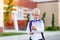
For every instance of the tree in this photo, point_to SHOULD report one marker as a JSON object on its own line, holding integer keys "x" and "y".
{"x": 43, "y": 17}
{"x": 53, "y": 20}
{"x": 8, "y": 11}
{"x": 28, "y": 17}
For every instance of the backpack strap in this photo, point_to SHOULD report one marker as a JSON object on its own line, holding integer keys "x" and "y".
{"x": 42, "y": 36}
{"x": 30, "y": 24}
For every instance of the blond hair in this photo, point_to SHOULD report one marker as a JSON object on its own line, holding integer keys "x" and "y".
{"x": 36, "y": 11}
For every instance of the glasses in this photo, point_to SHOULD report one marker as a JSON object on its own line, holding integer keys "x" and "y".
{"x": 35, "y": 14}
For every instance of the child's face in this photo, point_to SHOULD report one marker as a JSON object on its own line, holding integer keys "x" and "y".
{"x": 35, "y": 16}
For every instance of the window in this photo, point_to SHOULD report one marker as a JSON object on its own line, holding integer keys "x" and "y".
{"x": 20, "y": 13}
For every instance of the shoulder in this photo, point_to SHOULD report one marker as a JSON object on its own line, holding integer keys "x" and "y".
{"x": 41, "y": 21}
{"x": 31, "y": 20}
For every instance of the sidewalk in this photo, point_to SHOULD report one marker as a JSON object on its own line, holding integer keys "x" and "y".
{"x": 55, "y": 35}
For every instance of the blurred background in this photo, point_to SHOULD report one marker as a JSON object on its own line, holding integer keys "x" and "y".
{"x": 23, "y": 8}
{"x": 15, "y": 15}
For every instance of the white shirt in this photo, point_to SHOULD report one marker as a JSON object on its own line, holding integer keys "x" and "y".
{"x": 37, "y": 33}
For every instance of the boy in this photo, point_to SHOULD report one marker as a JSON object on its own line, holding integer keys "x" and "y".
{"x": 35, "y": 27}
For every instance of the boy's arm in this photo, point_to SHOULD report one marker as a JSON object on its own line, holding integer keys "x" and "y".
{"x": 33, "y": 28}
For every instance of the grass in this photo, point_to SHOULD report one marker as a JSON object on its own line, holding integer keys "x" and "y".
{"x": 11, "y": 34}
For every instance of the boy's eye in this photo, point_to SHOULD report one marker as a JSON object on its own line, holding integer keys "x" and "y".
{"x": 34, "y": 14}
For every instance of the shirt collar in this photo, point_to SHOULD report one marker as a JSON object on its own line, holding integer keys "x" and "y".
{"x": 36, "y": 20}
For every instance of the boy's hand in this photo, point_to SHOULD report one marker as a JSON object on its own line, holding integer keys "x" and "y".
{"x": 31, "y": 33}
{"x": 33, "y": 28}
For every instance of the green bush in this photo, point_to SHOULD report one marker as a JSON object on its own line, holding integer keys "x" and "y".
{"x": 50, "y": 28}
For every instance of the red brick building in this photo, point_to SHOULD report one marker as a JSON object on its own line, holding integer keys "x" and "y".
{"x": 26, "y": 5}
